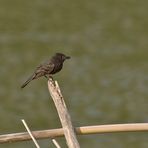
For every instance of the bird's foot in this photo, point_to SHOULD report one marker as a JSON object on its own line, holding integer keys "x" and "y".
{"x": 49, "y": 77}
{"x": 46, "y": 77}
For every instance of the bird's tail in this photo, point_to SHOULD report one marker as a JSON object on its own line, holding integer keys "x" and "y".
{"x": 28, "y": 80}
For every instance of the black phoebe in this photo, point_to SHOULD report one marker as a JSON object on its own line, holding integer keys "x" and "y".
{"x": 53, "y": 66}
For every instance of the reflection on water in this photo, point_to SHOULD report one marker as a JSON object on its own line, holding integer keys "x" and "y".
{"x": 104, "y": 82}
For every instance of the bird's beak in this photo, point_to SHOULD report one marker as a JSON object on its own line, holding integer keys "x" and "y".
{"x": 68, "y": 57}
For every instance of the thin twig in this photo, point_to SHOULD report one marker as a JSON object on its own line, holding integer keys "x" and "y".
{"x": 28, "y": 130}
{"x": 56, "y": 143}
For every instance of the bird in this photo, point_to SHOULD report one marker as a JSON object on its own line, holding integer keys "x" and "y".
{"x": 52, "y": 66}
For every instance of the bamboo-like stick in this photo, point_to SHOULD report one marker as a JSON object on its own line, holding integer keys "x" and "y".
{"x": 64, "y": 116}
{"x": 97, "y": 129}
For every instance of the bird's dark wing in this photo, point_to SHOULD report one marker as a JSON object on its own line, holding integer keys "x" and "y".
{"x": 41, "y": 70}
{"x": 44, "y": 69}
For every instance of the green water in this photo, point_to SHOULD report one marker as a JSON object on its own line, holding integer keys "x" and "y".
{"x": 106, "y": 80}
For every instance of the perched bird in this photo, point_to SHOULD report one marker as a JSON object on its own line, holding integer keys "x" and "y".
{"x": 49, "y": 68}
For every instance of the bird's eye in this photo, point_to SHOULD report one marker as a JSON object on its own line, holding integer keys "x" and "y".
{"x": 63, "y": 57}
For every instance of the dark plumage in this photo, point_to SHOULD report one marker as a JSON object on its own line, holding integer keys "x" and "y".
{"x": 53, "y": 66}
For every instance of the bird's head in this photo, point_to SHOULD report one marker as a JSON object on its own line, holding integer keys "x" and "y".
{"x": 62, "y": 56}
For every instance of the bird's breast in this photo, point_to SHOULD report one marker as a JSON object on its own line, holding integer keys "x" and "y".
{"x": 57, "y": 68}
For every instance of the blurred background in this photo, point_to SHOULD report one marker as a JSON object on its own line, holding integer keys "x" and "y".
{"x": 105, "y": 82}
